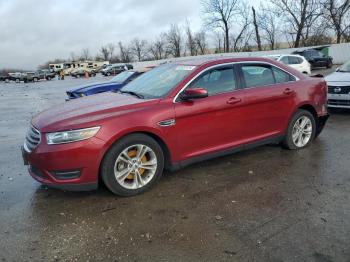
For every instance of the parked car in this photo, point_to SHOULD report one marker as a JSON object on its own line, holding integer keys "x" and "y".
{"x": 113, "y": 70}
{"x": 17, "y": 77}
{"x": 296, "y": 61}
{"x": 339, "y": 87}
{"x": 172, "y": 116}
{"x": 30, "y": 77}
{"x": 5, "y": 77}
{"x": 81, "y": 72}
{"x": 46, "y": 74}
{"x": 114, "y": 84}
{"x": 316, "y": 58}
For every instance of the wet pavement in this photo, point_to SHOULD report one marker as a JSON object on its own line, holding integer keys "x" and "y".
{"x": 265, "y": 204}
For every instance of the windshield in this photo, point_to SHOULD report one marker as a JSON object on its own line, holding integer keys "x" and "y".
{"x": 345, "y": 67}
{"x": 159, "y": 81}
{"x": 122, "y": 77}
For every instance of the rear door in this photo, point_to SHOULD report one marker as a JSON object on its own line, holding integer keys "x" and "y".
{"x": 214, "y": 123}
{"x": 268, "y": 102}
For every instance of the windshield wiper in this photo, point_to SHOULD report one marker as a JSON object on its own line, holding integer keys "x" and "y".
{"x": 131, "y": 93}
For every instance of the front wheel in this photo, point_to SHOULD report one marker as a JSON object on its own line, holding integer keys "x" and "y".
{"x": 301, "y": 130}
{"x": 132, "y": 165}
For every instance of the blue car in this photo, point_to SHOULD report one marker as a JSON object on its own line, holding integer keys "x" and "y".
{"x": 114, "y": 84}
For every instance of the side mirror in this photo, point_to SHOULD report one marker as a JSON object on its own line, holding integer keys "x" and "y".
{"x": 194, "y": 93}
{"x": 337, "y": 69}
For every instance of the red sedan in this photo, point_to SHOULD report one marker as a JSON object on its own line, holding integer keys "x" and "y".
{"x": 172, "y": 116}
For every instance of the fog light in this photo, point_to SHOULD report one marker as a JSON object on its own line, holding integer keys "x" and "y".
{"x": 66, "y": 175}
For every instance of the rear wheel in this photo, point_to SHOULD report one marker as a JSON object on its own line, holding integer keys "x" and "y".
{"x": 301, "y": 130}
{"x": 132, "y": 165}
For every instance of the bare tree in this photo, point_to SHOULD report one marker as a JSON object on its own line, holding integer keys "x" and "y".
{"x": 73, "y": 56}
{"x": 85, "y": 54}
{"x": 257, "y": 35}
{"x": 157, "y": 49}
{"x": 139, "y": 48}
{"x": 111, "y": 48}
{"x": 221, "y": 14}
{"x": 337, "y": 12}
{"x": 297, "y": 15}
{"x": 201, "y": 42}
{"x": 241, "y": 38}
{"x": 219, "y": 42}
{"x": 124, "y": 53}
{"x": 104, "y": 53}
{"x": 174, "y": 39}
{"x": 269, "y": 24}
{"x": 191, "y": 41}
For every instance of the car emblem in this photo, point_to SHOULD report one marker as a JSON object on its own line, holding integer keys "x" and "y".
{"x": 337, "y": 90}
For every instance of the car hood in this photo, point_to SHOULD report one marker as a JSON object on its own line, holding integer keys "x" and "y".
{"x": 82, "y": 89}
{"x": 88, "y": 111}
{"x": 338, "y": 78}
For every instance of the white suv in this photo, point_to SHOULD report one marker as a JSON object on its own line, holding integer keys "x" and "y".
{"x": 296, "y": 61}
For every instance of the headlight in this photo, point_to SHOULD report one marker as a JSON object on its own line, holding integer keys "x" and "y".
{"x": 71, "y": 136}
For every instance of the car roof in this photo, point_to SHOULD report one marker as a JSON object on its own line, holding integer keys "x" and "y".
{"x": 284, "y": 55}
{"x": 221, "y": 60}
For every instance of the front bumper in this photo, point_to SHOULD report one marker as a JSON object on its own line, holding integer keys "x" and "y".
{"x": 73, "y": 166}
{"x": 338, "y": 100}
{"x": 322, "y": 120}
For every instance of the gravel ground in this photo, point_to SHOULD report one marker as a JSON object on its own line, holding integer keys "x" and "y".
{"x": 265, "y": 204}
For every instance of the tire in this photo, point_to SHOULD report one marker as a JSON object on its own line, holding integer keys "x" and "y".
{"x": 132, "y": 176}
{"x": 35, "y": 79}
{"x": 329, "y": 65}
{"x": 108, "y": 74}
{"x": 48, "y": 78}
{"x": 17, "y": 80}
{"x": 294, "y": 142}
{"x": 7, "y": 80}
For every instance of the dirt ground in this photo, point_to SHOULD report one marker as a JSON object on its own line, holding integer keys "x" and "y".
{"x": 265, "y": 204}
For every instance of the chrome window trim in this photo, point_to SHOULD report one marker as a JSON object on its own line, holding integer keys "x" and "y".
{"x": 234, "y": 63}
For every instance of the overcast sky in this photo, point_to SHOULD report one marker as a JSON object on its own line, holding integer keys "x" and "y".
{"x": 34, "y": 31}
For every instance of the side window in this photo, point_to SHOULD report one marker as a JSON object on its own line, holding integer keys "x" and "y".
{"x": 257, "y": 75}
{"x": 216, "y": 81}
{"x": 294, "y": 60}
{"x": 285, "y": 60}
{"x": 281, "y": 76}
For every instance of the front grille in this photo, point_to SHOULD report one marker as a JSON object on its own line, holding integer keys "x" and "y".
{"x": 32, "y": 139}
{"x": 339, "y": 89}
{"x": 337, "y": 102}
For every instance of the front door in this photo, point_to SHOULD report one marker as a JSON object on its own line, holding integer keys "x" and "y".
{"x": 210, "y": 124}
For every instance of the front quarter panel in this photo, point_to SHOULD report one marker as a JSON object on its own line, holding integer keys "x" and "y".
{"x": 142, "y": 120}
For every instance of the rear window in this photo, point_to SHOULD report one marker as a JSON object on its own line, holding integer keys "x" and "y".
{"x": 263, "y": 75}
{"x": 293, "y": 60}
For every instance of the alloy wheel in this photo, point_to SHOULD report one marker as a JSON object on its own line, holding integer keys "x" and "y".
{"x": 302, "y": 131}
{"x": 135, "y": 166}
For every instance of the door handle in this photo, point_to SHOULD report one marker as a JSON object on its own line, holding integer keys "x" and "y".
{"x": 233, "y": 100}
{"x": 288, "y": 91}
